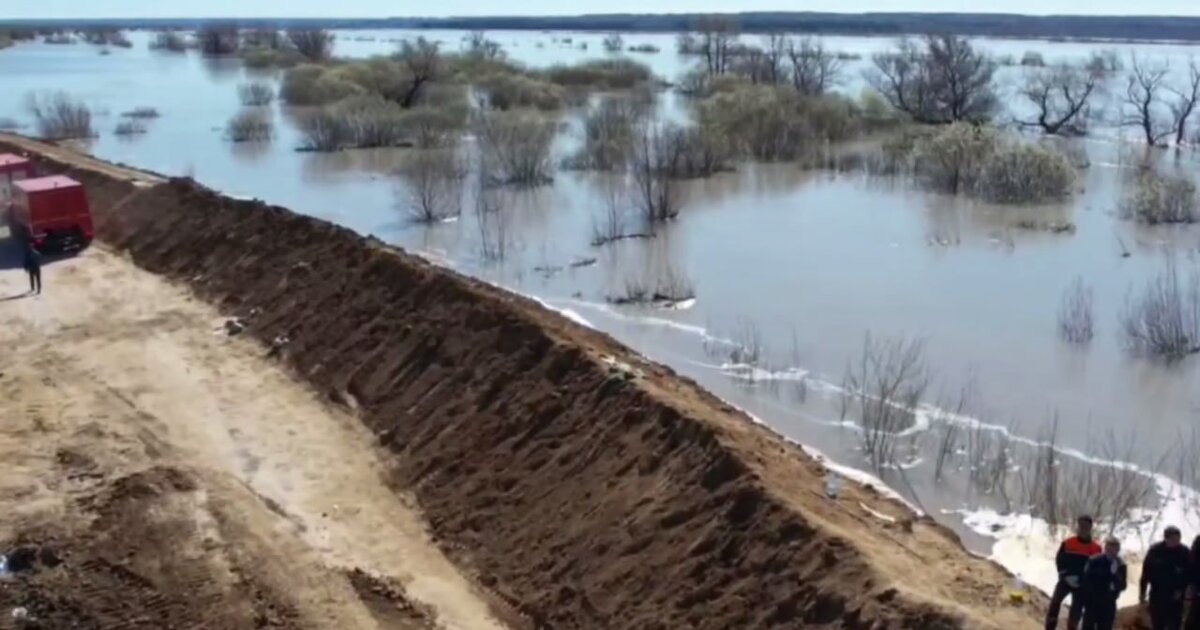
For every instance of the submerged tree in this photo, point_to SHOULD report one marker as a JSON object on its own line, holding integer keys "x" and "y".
{"x": 1184, "y": 104}
{"x": 1061, "y": 96}
{"x": 614, "y": 43}
{"x": 423, "y": 62}
{"x": 1164, "y": 320}
{"x": 657, "y": 194}
{"x": 1143, "y": 100}
{"x": 218, "y": 39}
{"x": 814, "y": 70}
{"x": 942, "y": 80}
{"x": 478, "y": 46}
{"x": 315, "y": 44}
{"x": 432, "y": 190}
{"x": 716, "y": 41}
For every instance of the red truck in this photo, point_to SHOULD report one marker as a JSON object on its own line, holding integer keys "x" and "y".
{"x": 51, "y": 212}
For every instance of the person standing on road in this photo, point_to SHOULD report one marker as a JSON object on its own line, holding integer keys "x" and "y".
{"x": 1167, "y": 571}
{"x": 1072, "y": 555}
{"x": 1104, "y": 579}
{"x": 33, "y": 267}
{"x": 1193, "y": 618}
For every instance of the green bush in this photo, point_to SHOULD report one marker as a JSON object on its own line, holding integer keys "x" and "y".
{"x": 386, "y": 77}
{"x": 324, "y": 131}
{"x": 504, "y": 91}
{"x": 433, "y": 127}
{"x": 372, "y": 121}
{"x": 260, "y": 58}
{"x": 369, "y": 121}
{"x": 515, "y": 147}
{"x": 981, "y": 162}
{"x": 1020, "y": 172}
{"x": 604, "y": 74}
{"x": 467, "y": 68}
{"x": 315, "y": 85}
{"x": 608, "y": 134}
{"x": 951, "y": 160}
{"x": 777, "y": 124}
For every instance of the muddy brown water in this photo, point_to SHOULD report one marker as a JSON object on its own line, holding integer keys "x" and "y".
{"x": 804, "y": 264}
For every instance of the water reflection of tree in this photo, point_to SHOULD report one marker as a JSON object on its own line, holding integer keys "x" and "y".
{"x": 222, "y": 69}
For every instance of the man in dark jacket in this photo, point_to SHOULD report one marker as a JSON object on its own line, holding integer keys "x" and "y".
{"x": 33, "y": 267}
{"x": 1103, "y": 581}
{"x": 1073, "y": 554}
{"x": 1166, "y": 571}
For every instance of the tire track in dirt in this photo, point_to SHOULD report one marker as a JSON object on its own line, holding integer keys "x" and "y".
{"x": 107, "y": 385}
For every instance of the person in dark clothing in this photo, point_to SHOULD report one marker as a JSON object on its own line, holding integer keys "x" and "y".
{"x": 1167, "y": 572}
{"x": 33, "y": 267}
{"x": 1072, "y": 555}
{"x": 1193, "y": 618}
{"x": 1104, "y": 578}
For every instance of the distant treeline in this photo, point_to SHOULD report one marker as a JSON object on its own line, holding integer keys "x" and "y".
{"x": 978, "y": 24}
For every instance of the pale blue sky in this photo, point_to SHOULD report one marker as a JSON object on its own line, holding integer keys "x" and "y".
{"x": 385, "y": 8}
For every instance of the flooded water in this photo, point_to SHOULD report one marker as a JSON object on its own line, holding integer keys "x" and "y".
{"x": 801, "y": 264}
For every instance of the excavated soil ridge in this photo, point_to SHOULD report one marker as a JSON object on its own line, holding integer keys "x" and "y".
{"x": 581, "y": 485}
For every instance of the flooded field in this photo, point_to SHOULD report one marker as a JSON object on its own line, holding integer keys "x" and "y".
{"x": 791, "y": 269}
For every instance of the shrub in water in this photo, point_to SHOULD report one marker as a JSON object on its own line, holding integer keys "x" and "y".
{"x": 249, "y": 125}
{"x": 130, "y": 128}
{"x": 256, "y": 94}
{"x": 951, "y": 161}
{"x": 608, "y": 133}
{"x": 1157, "y": 198}
{"x": 141, "y": 112}
{"x": 775, "y": 124}
{"x": 977, "y": 160}
{"x": 1018, "y": 172}
{"x": 314, "y": 85}
{"x": 60, "y": 117}
{"x": 506, "y": 91}
{"x": 606, "y": 74}
{"x": 516, "y": 147}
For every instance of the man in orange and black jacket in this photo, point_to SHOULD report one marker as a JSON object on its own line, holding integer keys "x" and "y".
{"x": 1073, "y": 555}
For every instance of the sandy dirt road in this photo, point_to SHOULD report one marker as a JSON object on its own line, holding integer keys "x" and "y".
{"x": 159, "y": 472}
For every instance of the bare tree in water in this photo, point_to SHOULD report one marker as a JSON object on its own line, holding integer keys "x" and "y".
{"x": 1142, "y": 100}
{"x": 1061, "y": 95}
{"x": 1184, "y": 103}
{"x": 942, "y": 80}
{"x": 814, "y": 69}
{"x": 315, "y": 44}
{"x": 716, "y": 40}
{"x": 885, "y": 386}
{"x": 1075, "y": 323}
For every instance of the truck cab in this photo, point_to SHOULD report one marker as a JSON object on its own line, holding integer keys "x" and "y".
{"x": 52, "y": 213}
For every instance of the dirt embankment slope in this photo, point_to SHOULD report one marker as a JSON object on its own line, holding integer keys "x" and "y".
{"x": 586, "y": 495}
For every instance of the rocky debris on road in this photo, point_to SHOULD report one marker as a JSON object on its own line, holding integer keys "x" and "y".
{"x": 234, "y": 326}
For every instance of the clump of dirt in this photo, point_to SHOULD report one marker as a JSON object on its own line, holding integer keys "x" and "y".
{"x": 388, "y": 603}
{"x": 581, "y": 500}
{"x": 144, "y": 559}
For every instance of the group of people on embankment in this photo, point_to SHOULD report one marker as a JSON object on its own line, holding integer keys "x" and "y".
{"x": 1094, "y": 577}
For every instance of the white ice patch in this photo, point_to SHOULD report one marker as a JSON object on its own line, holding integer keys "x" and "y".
{"x": 565, "y": 312}
{"x": 439, "y": 257}
{"x": 647, "y": 320}
{"x": 1026, "y": 545}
